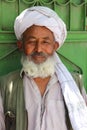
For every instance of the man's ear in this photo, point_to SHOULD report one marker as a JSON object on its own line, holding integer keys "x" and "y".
{"x": 19, "y": 45}
{"x": 56, "y": 46}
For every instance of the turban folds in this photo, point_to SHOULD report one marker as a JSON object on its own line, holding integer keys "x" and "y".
{"x": 41, "y": 16}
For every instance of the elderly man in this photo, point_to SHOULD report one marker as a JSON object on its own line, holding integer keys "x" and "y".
{"x": 44, "y": 93}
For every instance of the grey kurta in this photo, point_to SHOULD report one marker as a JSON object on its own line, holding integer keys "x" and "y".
{"x": 47, "y": 112}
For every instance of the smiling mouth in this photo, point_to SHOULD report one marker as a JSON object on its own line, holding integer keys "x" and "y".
{"x": 39, "y": 54}
{"x": 38, "y": 59}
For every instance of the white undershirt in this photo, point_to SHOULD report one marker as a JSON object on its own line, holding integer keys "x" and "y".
{"x": 47, "y": 112}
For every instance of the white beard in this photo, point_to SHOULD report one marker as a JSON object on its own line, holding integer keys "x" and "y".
{"x": 42, "y": 70}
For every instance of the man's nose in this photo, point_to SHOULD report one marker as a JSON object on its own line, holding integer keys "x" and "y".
{"x": 38, "y": 47}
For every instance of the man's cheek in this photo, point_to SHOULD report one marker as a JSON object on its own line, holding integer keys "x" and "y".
{"x": 50, "y": 52}
{"x": 27, "y": 51}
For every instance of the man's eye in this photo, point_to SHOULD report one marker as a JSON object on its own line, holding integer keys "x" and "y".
{"x": 45, "y": 42}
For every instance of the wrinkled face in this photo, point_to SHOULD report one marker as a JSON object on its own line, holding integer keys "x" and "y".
{"x": 38, "y": 43}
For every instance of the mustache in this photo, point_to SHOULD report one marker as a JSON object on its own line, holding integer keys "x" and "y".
{"x": 39, "y": 54}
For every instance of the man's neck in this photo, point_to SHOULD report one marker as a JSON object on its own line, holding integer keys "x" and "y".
{"x": 42, "y": 83}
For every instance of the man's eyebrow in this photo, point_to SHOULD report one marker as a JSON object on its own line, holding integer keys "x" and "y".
{"x": 31, "y": 37}
{"x": 28, "y": 38}
{"x": 46, "y": 38}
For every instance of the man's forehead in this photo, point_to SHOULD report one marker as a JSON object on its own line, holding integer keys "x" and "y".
{"x": 35, "y": 30}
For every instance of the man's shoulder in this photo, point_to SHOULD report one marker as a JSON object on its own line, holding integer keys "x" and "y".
{"x": 10, "y": 76}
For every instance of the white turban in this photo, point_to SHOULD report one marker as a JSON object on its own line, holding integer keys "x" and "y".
{"x": 41, "y": 16}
